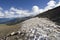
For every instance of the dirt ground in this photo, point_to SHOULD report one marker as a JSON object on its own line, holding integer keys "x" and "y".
{"x": 5, "y": 29}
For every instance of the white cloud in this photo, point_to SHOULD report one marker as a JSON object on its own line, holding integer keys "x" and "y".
{"x": 35, "y": 9}
{"x": 41, "y": 10}
{"x": 50, "y": 5}
{"x": 1, "y": 14}
{"x": 21, "y": 12}
{"x": 58, "y": 4}
{"x": 13, "y": 9}
{"x": 1, "y": 8}
{"x": 14, "y": 12}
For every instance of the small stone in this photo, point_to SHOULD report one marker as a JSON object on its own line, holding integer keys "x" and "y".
{"x": 12, "y": 33}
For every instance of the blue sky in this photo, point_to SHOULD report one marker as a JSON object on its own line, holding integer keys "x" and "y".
{"x": 23, "y": 4}
{"x": 21, "y": 8}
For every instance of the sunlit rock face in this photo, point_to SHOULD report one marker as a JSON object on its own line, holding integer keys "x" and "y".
{"x": 36, "y": 29}
{"x": 40, "y": 29}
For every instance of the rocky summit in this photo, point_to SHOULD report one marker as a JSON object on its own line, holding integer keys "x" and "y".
{"x": 36, "y": 29}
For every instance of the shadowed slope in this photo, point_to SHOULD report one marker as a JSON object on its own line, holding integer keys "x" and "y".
{"x": 53, "y": 14}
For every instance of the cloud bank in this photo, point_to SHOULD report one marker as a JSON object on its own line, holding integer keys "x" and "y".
{"x": 14, "y": 12}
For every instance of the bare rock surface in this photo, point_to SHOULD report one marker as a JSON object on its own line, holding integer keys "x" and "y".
{"x": 36, "y": 29}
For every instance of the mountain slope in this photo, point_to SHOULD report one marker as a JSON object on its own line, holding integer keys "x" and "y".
{"x": 53, "y": 15}
{"x": 36, "y": 28}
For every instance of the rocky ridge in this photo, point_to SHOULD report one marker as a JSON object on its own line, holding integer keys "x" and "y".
{"x": 36, "y": 29}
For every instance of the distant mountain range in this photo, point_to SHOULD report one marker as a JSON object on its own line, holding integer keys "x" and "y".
{"x": 11, "y": 21}
{"x": 17, "y": 20}
{"x": 3, "y": 20}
